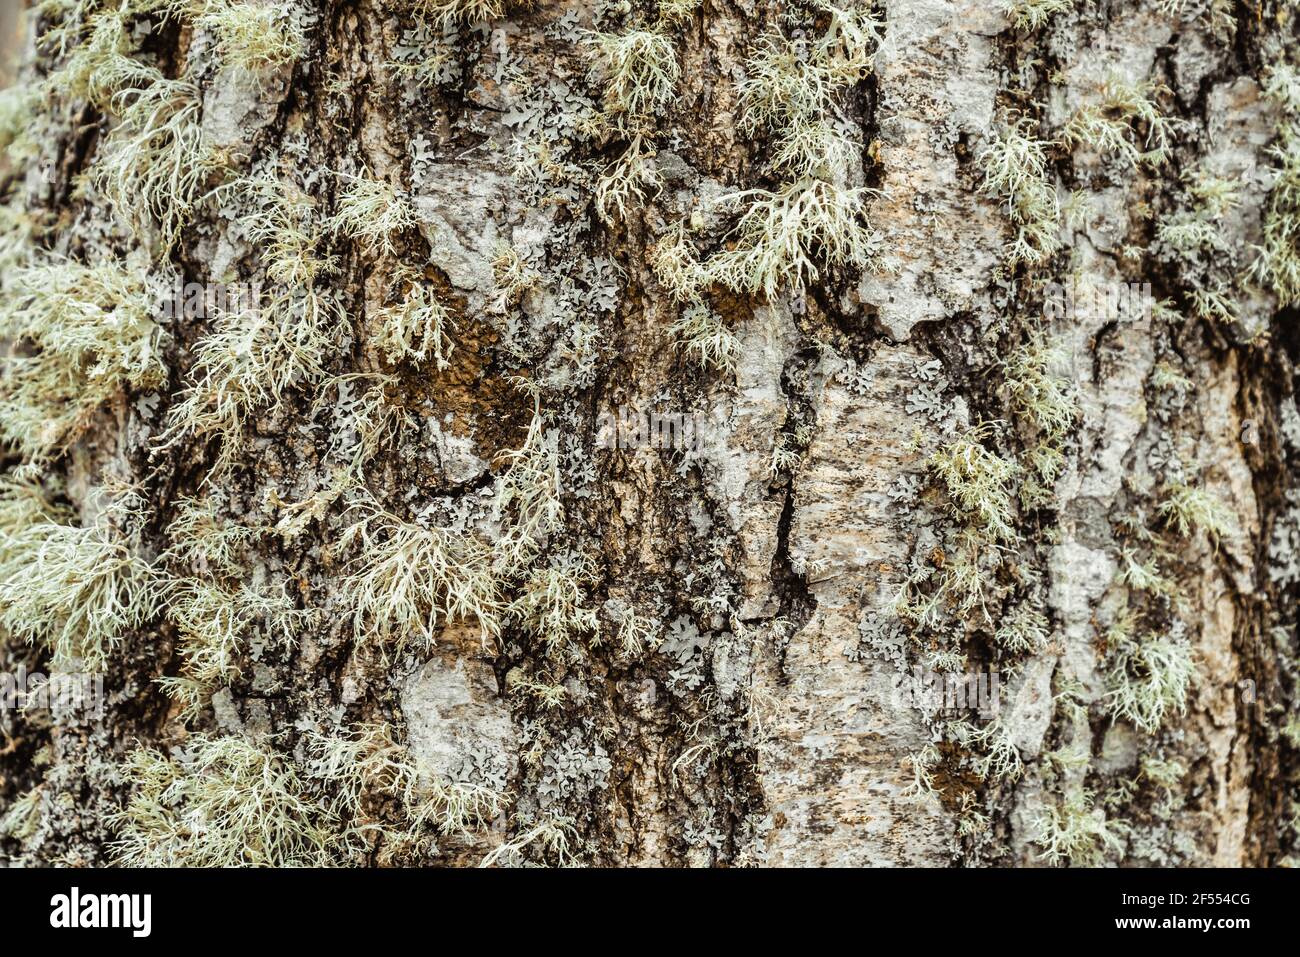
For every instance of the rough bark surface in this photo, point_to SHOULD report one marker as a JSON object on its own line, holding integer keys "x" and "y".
{"x": 759, "y": 719}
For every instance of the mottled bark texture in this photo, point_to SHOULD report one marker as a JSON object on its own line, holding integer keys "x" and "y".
{"x": 695, "y": 656}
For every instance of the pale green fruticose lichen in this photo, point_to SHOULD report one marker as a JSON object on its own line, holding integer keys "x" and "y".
{"x": 224, "y": 802}
{"x": 86, "y": 334}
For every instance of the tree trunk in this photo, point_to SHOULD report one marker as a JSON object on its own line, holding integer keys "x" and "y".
{"x": 932, "y": 555}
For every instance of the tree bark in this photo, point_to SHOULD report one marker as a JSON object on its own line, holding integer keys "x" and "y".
{"x": 769, "y": 717}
